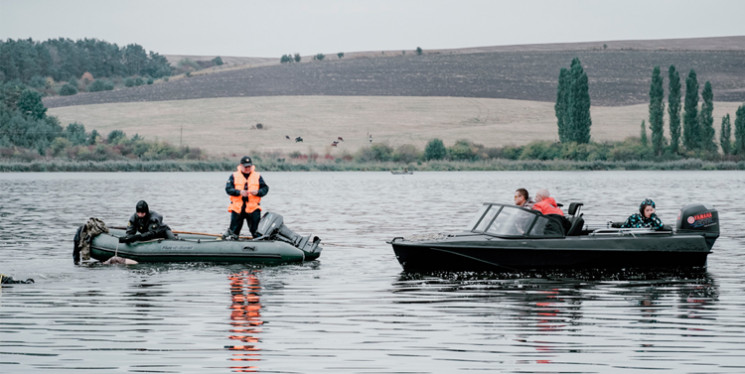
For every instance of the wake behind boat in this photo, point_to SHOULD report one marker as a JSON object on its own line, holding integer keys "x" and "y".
{"x": 509, "y": 238}
{"x": 277, "y": 245}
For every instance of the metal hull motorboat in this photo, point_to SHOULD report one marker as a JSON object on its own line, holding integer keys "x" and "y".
{"x": 509, "y": 238}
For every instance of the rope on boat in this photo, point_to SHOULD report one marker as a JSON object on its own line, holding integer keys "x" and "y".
{"x": 477, "y": 259}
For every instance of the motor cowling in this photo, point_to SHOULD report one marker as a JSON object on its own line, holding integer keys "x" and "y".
{"x": 696, "y": 218}
{"x": 272, "y": 226}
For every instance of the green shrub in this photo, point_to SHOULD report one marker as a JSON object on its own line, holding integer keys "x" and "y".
{"x": 134, "y": 81}
{"x": 509, "y": 152}
{"x": 75, "y": 133}
{"x": 67, "y": 90}
{"x": 58, "y": 146}
{"x": 37, "y": 81}
{"x": 462, "y": 150}
{"x": 406, "y": 153}
{"x": 376, "y": 152}
{"x": 541, "y": 151}
{"x": 435, "y": 150}
{"x": 101, "y": 85}
{"x": 116, "y": 136}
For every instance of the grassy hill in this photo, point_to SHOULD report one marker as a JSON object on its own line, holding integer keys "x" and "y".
{"x": 492, "y": 95}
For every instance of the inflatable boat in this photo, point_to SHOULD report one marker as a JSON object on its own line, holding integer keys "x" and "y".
{"x": 510, "y": 238}
{"x": 276, "y": 245}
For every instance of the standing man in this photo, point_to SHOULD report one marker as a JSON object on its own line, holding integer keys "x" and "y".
{"x": 245, "y": 187}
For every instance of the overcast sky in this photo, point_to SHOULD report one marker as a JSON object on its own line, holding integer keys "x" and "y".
{"x": 271, "y": 28}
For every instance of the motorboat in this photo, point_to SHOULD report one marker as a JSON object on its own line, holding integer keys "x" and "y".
{"x": 276, "y": 245}
{"x": 511, "y": 238}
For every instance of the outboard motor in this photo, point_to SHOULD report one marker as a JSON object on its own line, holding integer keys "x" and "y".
{"x": 272, "y": 226}
{"x": 698, "y": 219}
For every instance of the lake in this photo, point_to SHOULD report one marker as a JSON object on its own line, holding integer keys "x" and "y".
{"x": 355, "y": 310}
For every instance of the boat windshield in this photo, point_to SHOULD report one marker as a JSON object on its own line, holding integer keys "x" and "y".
{"x": 509, "y": 220}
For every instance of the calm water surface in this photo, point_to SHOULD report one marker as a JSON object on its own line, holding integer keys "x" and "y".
{"x": 354, "y": 310}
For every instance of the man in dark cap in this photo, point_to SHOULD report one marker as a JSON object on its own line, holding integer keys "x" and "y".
{"x": 245, "y": 187}
{"x": 146, "y": 224}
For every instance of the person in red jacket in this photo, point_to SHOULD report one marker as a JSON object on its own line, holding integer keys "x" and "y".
{"x": 546, "y": 204}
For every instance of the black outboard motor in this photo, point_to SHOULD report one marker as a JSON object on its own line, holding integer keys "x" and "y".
{"x": 271, "y": 226}
{"x": 698, "y": 219}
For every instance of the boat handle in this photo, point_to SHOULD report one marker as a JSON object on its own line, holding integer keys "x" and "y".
{"x": 249, "y": 248}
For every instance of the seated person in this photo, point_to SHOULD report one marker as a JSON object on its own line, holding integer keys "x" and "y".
{"x": 645, "y": 218}
{"x": 546, "y": 204}
{"x": 146, "y": 224}
{"x": 522, "y": 199}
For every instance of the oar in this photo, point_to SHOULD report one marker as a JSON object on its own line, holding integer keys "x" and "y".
{"x": 187, "y": 232}
{"x": 205, "y": 234}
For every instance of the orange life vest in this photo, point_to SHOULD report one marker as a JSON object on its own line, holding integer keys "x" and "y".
{"x": 548, "y": 206}
{"x": 241, "y": 183}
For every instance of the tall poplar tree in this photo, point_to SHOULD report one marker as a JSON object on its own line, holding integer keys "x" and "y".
{"x": 656, "y": 111}
{"x": 725, "y": 133}
{"x": 740, "y": 131}
{"x": 673, "y": 107}
{"x": 706, "y": 125}
{"x": 562, "y": 101}
{"x": 691, "y": 133}
{"x": 573, "y": 104}
{"x": 579, "y": 104}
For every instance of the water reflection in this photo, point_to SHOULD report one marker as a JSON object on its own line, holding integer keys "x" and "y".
{"x": 245, "y": 320}
{"x": 555, "y": 314}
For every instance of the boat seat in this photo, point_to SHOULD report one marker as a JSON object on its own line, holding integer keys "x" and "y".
{"x": 576, "y": 221}
{"x": 577, "y": 224}
{"x": 574, "y": 208}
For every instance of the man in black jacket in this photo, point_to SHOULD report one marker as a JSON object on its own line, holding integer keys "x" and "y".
{"x": 146, "y": 224}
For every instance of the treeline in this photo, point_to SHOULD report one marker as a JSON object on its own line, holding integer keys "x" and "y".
{"x": 27, "y": 134}
{"x": 42, "y": 64}
{"x": 695, "y": 136}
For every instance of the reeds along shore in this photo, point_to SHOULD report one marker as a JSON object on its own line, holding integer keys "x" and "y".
{"x": 270, "y": 165}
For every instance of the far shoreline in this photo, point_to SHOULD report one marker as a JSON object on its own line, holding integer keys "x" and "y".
{"x": 489, "y": 165}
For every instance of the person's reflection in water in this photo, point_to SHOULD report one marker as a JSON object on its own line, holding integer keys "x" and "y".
{"x": 245, "y": 320}
{"x": 551, "y": 310}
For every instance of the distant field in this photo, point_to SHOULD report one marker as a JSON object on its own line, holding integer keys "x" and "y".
{"x": 226, "y": 126}
{"x": 494, "y": 96}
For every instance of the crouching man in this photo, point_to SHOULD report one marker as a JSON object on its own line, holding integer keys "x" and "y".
{"x": 146, "y": 224}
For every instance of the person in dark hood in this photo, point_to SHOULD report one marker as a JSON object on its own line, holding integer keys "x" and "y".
{"x": 645, "y": 218}
{"x": 146, "y": 224}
